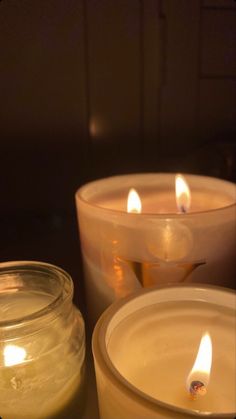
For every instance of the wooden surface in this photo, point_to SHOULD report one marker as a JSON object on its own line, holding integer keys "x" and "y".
{"x": 91, "y": 407}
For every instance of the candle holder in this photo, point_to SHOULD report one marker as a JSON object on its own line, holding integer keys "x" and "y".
{"x": 144, "y": 347}
{"x": 42, "y": 343}
{"x": 125, "y": 251}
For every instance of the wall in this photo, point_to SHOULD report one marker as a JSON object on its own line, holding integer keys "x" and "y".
{"x": 91, "y": 88}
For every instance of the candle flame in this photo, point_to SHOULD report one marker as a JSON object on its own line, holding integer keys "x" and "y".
{"x": 134, "y": 202}
{"x": 182, "y": 194}
{"x": 199, "y": 376}
{"x": 13, "y": 355}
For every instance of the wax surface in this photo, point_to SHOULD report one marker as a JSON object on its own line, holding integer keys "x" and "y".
{"x": 29, "y": 303}
{"x": 158, "y": 349}
{"x": 163, "y": 201}
{"x": 48, "y": 383}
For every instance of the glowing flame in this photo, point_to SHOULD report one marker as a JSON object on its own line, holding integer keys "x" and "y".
{"x": 182, "y": 194}
{"x": 13, "y": 355}
{"x": 134, "y": 202}
{"x": 199, "y": 376}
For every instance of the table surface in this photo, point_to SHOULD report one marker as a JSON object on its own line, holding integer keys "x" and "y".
{"x": 91, "y": 406}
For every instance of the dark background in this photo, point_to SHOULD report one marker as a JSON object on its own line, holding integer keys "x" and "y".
{"x": 91, "y": 88}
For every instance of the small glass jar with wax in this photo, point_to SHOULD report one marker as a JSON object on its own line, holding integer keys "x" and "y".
{"x": 168, "y": 353}
{"x": 42, "y": 343}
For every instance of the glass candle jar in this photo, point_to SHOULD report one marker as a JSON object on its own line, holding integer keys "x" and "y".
{"x": 42, "y": 343}
{"x": 145, "y": 346}
{"x": 157, "y": 244}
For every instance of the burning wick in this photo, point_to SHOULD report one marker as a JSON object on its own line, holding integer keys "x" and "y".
{"x": 199, "y": 376}
{"x": 134, "y": 204}
{"x": 182, "y": 209}
{"x": 182, "y": 194}
{"x": 197, "y": 388}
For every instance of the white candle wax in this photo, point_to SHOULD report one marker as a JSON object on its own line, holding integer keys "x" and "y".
{"x": 156, "y": 356}
{"x": 41, "y": 377}
{"x": 163, "y": 245}
{"x": 164, "y": 202}
{"x": 145, "y": 346}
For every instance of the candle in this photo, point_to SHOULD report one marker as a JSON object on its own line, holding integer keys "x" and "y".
{"x": 41, "y": 343}
{"x": 157, "y": 243}
{"x": 145, "y": 353}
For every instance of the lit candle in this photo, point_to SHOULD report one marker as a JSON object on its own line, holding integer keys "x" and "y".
{"x": 13, "y": 355}
{"x": 182, "y": 194}
{"x": 134, "y": 204}
{"x": 145, "y": 346}
{"x": 158, "y": 242}
{"x": 41, "y": 343}
{"x": 199, "y": 376}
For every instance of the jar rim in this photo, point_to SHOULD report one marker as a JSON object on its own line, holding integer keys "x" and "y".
{"x": 83, "y": 194}
{"x": 65, "y": 291}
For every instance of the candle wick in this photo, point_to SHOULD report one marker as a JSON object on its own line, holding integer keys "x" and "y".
{"x": 197, "y": 388}
{"x": 183, "y": 209}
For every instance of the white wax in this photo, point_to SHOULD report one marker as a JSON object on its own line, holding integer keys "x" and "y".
{"x": 15, "y": 305}
{"x": 158, "y": 348}
{"x": 46, "y": 384}
{"x": 164, "y": 202}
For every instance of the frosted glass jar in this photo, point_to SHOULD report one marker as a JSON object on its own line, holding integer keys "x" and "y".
{"x": 144, "y": 347}
{"x": 123, "y": 252}
{"x": 42, "y": 343}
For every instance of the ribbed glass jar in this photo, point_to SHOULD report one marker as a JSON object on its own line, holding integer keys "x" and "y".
{"x": 42, "y": 343}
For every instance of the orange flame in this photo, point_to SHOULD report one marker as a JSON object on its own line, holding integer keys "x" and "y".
{"x": 134, "y": 203}
{"x": 182, "y": 194}
{"x": 200, "y": 373}
{"x": 13, "y": 355}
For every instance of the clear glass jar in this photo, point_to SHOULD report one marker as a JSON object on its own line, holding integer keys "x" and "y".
{"x": 42, "y": 343}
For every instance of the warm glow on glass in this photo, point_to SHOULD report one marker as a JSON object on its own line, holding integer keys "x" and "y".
{"x": 182, "y": 194}
{"x": 13, "y": 355}
{"x": 134, "y": 202}
{"x": 202, "y": 365}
